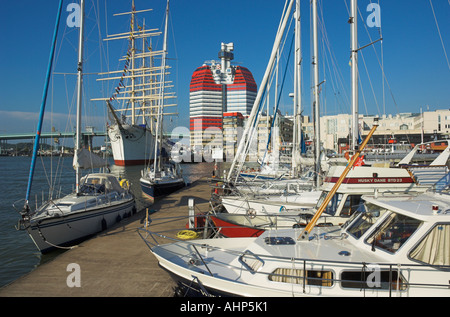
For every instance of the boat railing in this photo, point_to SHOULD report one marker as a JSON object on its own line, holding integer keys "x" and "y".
{"x": 251, "y": 189}
{"x": 203, "y": 223}
{"x": 100, "y": 198}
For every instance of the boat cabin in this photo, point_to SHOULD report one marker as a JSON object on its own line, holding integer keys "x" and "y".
{"x": 100, "y": 183}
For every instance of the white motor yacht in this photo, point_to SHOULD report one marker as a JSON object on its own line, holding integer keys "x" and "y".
{"x": 395, "y": 245}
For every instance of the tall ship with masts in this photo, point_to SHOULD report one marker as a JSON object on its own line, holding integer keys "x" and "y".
{"x": 132, "y": 106}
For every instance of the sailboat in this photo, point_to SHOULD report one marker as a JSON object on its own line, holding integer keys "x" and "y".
{"x": 163, "y": 177}
{"x": 395, "y": 245}
{"x": 392, "y": 246}
{"x": 245, "y": 212}
{"x": 132, "y": 106}
{"x": 98, "y": 201}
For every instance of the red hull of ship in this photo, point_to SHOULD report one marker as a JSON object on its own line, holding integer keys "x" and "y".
{"x": 130, "y": 162}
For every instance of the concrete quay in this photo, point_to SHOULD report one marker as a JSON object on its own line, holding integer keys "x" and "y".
{"x": 117, "y": 262}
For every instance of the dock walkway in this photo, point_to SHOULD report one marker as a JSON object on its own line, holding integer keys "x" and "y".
{"x": 116, "y": 262}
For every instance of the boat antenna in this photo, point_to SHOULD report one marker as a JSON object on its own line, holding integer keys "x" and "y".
{"x": 44, "y": 100}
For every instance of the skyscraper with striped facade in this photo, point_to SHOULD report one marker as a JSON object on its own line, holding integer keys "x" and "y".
{"x": 217, "y": 87}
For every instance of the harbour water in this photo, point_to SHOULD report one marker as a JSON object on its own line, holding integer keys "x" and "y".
{"x": 18, "y": 254}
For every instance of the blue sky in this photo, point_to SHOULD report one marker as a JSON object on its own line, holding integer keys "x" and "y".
{"x": 415, "y": 65}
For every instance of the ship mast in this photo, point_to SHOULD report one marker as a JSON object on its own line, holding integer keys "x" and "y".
{"x": 42, "y": 110}
{"x": 159, "y": 139}
{"x": 142, "y": 86}
{"x": 79, "y": 94}
{"x": 315, "y": 63}
{"x": 133, "y": 53}
{"x": 354, "y": 62}
{"x": 241, "y": 152}
{"x": 297, "y": 91}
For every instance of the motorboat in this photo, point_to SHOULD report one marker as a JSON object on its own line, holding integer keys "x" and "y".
{"x": 394, "y": 245}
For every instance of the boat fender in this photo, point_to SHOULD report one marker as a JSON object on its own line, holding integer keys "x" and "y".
{"x": 118, "y": 218}
{"x": 104, "y": 225}
{"x": 125, "y": 184}
{"x": 187, "y": 235}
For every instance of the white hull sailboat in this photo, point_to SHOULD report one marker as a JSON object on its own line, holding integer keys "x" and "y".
{"x": 98, "y": 201}
{"x": 65, "y": 222}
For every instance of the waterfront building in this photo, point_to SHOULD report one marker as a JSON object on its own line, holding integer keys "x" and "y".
{"x": 405, "y": 128}
{"x": 217, "y": 87}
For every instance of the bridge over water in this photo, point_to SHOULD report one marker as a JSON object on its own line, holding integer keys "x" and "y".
{"x": 87, "y": 137}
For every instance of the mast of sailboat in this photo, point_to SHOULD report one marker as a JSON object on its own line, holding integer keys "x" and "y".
{"x": 143, "y": 78}
{"x": 315, "y": 62}
{"x": 354, "y": 63}
{"x": 241, "y": 153}
{"x": 158, "y": 138}
{"x": 79, "y": 94}
{"x": 42, "y": 110}
{"x": 297, "y": 92}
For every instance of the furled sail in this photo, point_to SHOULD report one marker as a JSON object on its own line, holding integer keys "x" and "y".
{"x": 85, "y": 159}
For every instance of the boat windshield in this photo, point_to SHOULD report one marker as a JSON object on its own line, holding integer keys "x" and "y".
{"x": 364, "y": 218}
{"x": 393, "y": 232}
{"x": 94, "y": 185}
{"x": 443, "y": 185}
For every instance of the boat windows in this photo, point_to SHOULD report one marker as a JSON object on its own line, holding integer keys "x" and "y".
{"x": 365, "y": 217}
{"x": 350, "y": 205}
{"x": 97, "y": 185}
{"x": 297, "y": 276}
{"x": 393, "y": 232}
{"x": 434, "y": 249}
{"x": 251, "y": 261}
{"x": 91, "y": 189}
{"x": 279, "y": 240}
{"x": 369, "y": 279}
{"x": 63, "y": 204}
{"x": 332, "y": 205}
